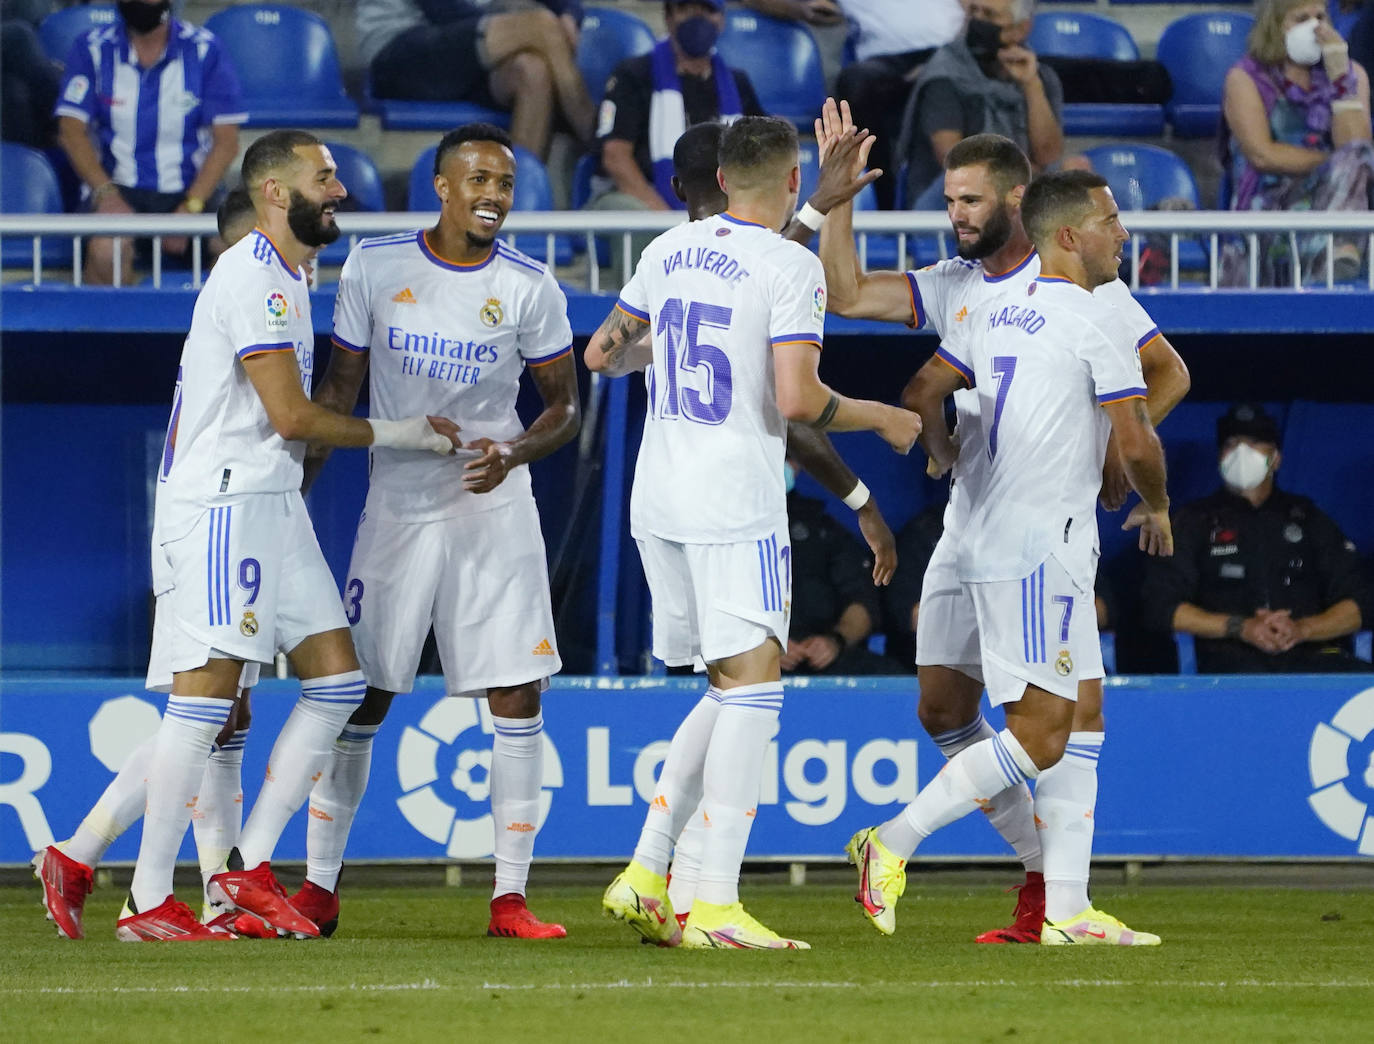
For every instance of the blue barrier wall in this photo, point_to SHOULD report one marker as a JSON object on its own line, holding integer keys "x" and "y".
{"x": 1204, "y": 767}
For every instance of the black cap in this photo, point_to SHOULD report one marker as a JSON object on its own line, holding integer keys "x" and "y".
{"x": 1247, "y": 420}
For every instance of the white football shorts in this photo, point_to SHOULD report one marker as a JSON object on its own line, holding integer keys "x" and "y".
{"x": 160, "y": 655}
{"x": 947, "y": 625}
{"x": 481, "y": 581}
{"x": 711, "y": 601}
{"x": 1040, "y": 630}
{"x": 248, "y": 579}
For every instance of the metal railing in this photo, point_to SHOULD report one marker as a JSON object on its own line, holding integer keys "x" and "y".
{"x": 1209, "y": 229}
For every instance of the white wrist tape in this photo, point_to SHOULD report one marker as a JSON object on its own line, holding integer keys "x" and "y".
{"x": 811, "y": 217}
{"x": 858, "y": 496}
{"x": 413, "y": 433}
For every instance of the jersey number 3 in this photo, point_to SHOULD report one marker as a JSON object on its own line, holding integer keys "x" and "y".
{"x": 706, "y": 399}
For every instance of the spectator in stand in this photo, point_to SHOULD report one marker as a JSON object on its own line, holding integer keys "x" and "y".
{"x": 515, "y": 55}
{"x": 28, "y": 90}
{"x": 148, "y": 116}
{"x": 1263, "y": 578}
{"x": 1296, "y": 136}
{"x": 890, "y": 49}
{"x": 651, "y": 100}
{"x": 834, "y": 596}
{"x": 987, "y": 82}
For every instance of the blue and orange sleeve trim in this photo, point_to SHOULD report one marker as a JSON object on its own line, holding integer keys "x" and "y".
{"x": 918, "y": 311}
{"x": 263, "y": 349}
{"x": 546, "y": 359}
{"x": 955, "y": 364}
{"x": 1151, "y": 336}
{"x": 1120, "y": 396}
{"x": 355, "y": 349}
{"x": 631, "y": 310}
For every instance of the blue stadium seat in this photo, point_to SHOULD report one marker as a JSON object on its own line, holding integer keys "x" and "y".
{"x": 783, "y": 63}
{"x": 882, "y": 250}
{"x": 1142, "y": 175}
{"x": 609, "y": 36}
{"x": 1198, "y": 50}
{"x": 62, "y": 28}
{"x": 532, "y": 192}
{"x": 29, "y": 186}
{"x": 407, "y": 114}
{"x": 288, "y": 66}
{"x": 365, "y": 193}
{"x": 1067, "y": 34}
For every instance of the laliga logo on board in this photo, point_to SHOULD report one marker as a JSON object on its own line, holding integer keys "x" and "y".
{"x": 1340, "y": 750}
{"x": 435, "y": 802}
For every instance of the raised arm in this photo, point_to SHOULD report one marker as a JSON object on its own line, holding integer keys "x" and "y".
{"x": 555, "y": 426}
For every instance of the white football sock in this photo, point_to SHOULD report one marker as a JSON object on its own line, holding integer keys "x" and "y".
{"x": 298, "y": 758}
{"x": 1012, "y": 812}
{"x": 334, "y": 802}
{"x": 517, "y": 773}
{"x": 120, "y": 807}
{"x": 219, "y": 811}
{"x": 678, "y": 791}
{"x": 1065, "y": 797}
{"x": 730, "y": 784}
{"x": 686, "y": 869}
{"x": 188, "y": 730}
{"x": 969, "y": 780}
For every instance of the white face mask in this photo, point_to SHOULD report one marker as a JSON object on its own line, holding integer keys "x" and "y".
{"x": 1244, "y": 467}
{"x": 1302, "y": 44}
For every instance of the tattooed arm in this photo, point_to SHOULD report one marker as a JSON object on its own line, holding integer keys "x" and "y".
{"x": 621, "y": 345}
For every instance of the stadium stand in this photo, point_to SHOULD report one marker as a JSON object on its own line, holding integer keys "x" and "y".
{"x": 62, "y": 28}
{"x": 402, "y": 114}
{"x": 365, "y": 193}
{"x": 28, "y": 185}
{"x": 783, "y": 63}
{"x": 1198, "y": 49}
{"x": 1142, "y": 176}
{"x": 1067, "y": 34}
{"x": 288, "y": 66}
{"x": 609, "y": 36}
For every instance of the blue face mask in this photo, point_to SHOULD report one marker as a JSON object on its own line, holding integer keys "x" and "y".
{"x": 697, "y": 36}
{"x": 789, "y": 477}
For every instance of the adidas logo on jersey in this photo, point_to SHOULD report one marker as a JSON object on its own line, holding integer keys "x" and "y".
{"x": 959, "y": 316}
{"x": 543, "y": 648}
{"x": 404, "y": 297}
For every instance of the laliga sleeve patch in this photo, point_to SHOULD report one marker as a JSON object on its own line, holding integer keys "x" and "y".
{"x": 605, "y": 118}
{"x": 276, "y": 310}
{"x": 818, "y": 304}
{"x": 76, "y": 90}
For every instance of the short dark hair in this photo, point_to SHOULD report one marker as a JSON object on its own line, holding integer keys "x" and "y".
{"x": 696, "y": 155}
{"x": 1248, "y": 420}
{"x": 753, "y": 144}
{"x": 271, "y": 153}
{"x": 236, "y": 209}
{"x": 1004, "y": 159}
{"x": 1056, "y": 199}
{"x": 460, "y": 136}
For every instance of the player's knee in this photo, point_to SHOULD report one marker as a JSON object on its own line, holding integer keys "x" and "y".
{"x": 516, "y": 701}
{"x": 939, "y": 711}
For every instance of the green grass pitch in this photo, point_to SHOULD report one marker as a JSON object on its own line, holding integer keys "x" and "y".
{"x": 412, "y": 963}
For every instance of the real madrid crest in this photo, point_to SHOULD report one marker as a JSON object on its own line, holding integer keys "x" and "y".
{"x": 248, "y": 626}
{"x": 1063, "y": 663}
{"x": 491, "y": 313}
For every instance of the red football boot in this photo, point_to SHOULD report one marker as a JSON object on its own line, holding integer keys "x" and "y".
{"x": 511, "y": 918}
{"x": 66, "y": 883}
{"x": 1030, "y": 914}
{"x": 320, "y": 906}
{"x": 169, "y": 921}
{"x": 259, "y": 893}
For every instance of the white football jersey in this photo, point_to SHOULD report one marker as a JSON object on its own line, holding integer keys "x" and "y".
{"x": 1043, "y": 359}
{"x": 942, "y": 297}
{"x": 447, "y": 340}
{"x": 718, "y": 295}
{"x": 220, "y": 441}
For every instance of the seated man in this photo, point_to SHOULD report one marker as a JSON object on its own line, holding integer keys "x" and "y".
{"x": 834, "y": 597}
{"x": 1263, "y": 578}
{"x": 516, "y": 55}
{"x": 986, "y": 82}
{"x": 652, "y": 99}
{"x": 148, "y": 116}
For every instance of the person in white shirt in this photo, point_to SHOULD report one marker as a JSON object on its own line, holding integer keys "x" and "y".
{"x": 736, "y": 314}
{"x": 1057, "y": 372}
{"x": 447, "y": 320}
{"x": 241, "y": 571}
{"x": 985, "y": 178}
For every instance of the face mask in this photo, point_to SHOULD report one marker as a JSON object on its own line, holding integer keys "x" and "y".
{"x": 697, "y": 36}
{"x": 1302, "y": 44}
{"x": 1244, "y": 467}
{"x": 143, "y": 18}
{"x": 983, "y": 39}
{"x": 789, "y": 477}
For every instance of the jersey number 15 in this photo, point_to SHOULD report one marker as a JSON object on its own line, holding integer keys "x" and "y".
{"x": 682, "y": 326}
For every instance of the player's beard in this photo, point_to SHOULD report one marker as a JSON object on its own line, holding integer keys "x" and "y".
{"x": 306, "y": 220}
{"x": 993, "y": 238}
